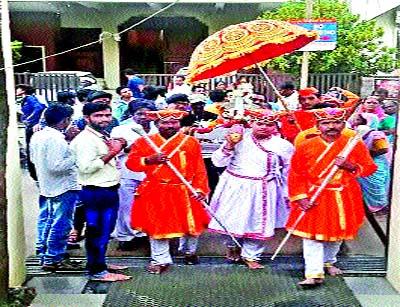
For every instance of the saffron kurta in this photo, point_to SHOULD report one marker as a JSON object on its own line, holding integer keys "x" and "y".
{"x": 338, "y": 212}
{"x": 163, "y": 206}
{"x": 250, "y": 198}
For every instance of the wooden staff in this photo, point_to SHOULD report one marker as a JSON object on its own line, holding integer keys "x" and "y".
{"x": 141, "y": 132}
{"x": 345, "y": 152}
{"x": 280, "y": 97}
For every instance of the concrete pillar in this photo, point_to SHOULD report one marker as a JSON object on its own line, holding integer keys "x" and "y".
{"x": 15, "y": 216}
{"x": 111, "y": 58}
{"x": 393, "y": 269}
{"x": 15, "y": 221}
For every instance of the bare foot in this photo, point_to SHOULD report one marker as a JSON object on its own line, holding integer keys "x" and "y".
{"x": 333, "y": 271}
{"x": 311, "y": 282}
{"x": 111, "y": 277}
{"x": 253, "y": 265}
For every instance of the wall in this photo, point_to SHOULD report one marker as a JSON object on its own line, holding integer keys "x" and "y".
{"x": 369, "y": 9}
{"x": 112, "y": 16}
{"x": 37, "y": 29}
{"x": 387, "y": 22}
{"x": 214, "y": 18}
{"x": 393, "y": 269}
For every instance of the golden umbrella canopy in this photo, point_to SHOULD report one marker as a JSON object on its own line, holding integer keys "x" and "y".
{"x": 245, "y": 44}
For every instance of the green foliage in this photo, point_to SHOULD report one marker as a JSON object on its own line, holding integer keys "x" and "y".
{"x": 16, "y": 47}
{"x": 359, "y": 48}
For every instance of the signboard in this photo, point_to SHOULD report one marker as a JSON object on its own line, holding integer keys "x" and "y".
{"x": 327, "y": 31}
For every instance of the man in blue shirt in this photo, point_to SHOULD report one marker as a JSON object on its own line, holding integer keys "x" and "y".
{"x": 135, "y": 83}
{"x": 31, "y": 109}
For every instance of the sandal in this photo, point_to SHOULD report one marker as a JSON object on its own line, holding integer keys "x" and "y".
{"x": 233, "y": 255}
{"x": 333, "y": 270}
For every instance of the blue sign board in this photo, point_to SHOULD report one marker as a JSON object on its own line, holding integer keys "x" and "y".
{"x": 327, "y": 32}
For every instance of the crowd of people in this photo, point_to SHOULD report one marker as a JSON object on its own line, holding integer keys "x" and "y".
{"x": 135, "y": 169}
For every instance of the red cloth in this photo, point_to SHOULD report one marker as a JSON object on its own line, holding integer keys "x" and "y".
{"x": 305, "y": 120}
{"x": 339, "y": 211}
{"x": 163, "y": 207}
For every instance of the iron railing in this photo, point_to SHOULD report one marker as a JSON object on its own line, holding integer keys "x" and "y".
{"x": 348, "y": 81}
{"x": 48, "y": 84}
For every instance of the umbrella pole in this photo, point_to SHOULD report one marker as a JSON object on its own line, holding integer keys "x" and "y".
{"x": 280, "y": 97}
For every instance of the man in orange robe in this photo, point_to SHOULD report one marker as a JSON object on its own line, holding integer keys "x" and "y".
{"x": 338, "y": 212}
{"x": 164, "y": 208}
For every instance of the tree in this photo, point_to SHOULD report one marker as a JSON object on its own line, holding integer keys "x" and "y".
{"x": 359, "y": 48}
{"x": 16, "y": 47}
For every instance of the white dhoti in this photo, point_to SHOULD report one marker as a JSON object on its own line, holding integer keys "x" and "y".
{"x": 251, "y": 196}
{"x": 123, "y": 230}
{"x": 249, "y": 207}
{"x": 317, "y": 255}
{"x": 251, "y": 249}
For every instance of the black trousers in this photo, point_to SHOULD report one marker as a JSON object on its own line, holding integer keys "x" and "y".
{"x": 31, "y": 166}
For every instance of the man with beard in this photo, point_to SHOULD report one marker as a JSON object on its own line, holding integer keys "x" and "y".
{"x": 123, "y": 232}
{"x": 338, "y": 212}
{"x": 164, "y": 207}
{"x": 251, "y": 195}
{"x": 95, "y": 155}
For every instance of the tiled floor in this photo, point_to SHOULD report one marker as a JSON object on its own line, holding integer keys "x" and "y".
{"x": 58, "y": 285}
{"x": 68, "y": 300}
{"x": 63, "y": 291}
{"x": 373, "y": 291}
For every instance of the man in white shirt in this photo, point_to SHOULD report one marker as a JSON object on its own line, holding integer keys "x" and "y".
{"x": 97, "y": 173}
{"x": 123, "y": 232}
{"x": 180, "y": 87}
{"x": 58, "y": 186}
{"x": 291, "y": 96}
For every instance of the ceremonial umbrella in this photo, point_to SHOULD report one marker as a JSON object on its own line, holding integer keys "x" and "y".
{"x": 245, "y": 44}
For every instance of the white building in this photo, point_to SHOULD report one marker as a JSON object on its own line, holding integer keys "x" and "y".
{"x": 385, "y": 12}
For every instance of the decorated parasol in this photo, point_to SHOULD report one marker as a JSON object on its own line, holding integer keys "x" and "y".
{"x": 246, "y": 44}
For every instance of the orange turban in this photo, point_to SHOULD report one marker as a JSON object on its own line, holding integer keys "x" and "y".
{"x": 330, "y": 114}
{"x": 166, "y": 114}
{"x": 308, "y": 91}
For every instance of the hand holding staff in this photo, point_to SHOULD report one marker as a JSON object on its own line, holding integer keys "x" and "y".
{"x": 195, "y": 193}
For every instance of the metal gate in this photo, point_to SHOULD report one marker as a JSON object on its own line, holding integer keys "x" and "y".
{"x": 48, "y": 84}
